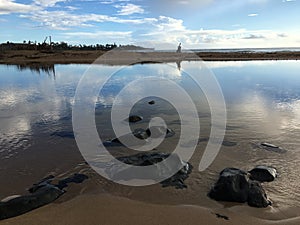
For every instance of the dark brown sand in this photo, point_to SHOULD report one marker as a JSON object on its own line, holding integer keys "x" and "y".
{"x": 83, "y": 57}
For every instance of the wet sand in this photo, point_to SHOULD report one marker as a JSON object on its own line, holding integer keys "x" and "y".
{"x": 105, "y": 209}
{"x": 99, "y": 201}
{"x": 86, "y": 57}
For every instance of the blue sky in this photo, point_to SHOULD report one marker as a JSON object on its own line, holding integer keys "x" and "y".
{"x": 154, "y": 23}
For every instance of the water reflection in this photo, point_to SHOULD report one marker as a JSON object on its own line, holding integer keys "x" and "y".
{"x": 48, "y": 69}
{"x": 263, "y": 103}
{"x": 256, "y": 93}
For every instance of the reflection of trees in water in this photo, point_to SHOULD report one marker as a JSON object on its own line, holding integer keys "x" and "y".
{"x": 48, "y": 69}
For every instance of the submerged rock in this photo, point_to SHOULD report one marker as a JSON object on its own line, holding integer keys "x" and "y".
{"x": 235, "y": 185}
{"x": 265, "y": 144}
{"x": 63, "y": 134}
{"x": 229, "y": 143}
{"x": 263, "y": 174}
{"x": 270, "y": 147}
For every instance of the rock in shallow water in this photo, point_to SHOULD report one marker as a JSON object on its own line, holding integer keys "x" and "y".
{"x": 257, "y": 196}
{"x": 270, "y": 147}
{"x": 19, "y": 205}
{"x": 232, "y": 186}
{"x": 142, "y": 134}
{"x": 41, "y": 194}
{"x": 63, "y": 134}
{"x": 134, "y": 119}
{"x": 152, "y": 158}
{"x": 263, "y": 173}
{"x": 235, "y": 185}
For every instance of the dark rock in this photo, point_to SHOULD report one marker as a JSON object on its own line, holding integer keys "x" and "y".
{"x": 229, "y": 143}
{"x": 151, "y": 158}
{"x": 41, "y": 194}
{"x": 44, "y": 182}
{"x": 142, "y": 135}
{"x": 134, "y": 119}
{"x": 234, "y": 185}
{"x": 64, "y": 134}
{"x": 257, "y": 196}
{"x": 221, "y": 216}
{"x": 76, "y": 178}
{"x": 271, "y": 147}
{"x": 263, "y": 174}
{"x": 151, "y": 102}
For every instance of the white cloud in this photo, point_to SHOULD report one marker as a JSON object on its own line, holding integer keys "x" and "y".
{"x": 252, "y": 14}
{"x": 63, "y": 20}
{"x": 10, "y": 6}
{"x": 108, "y": 2}
{"x": 129, "y": 9}
{"x": 48, "y": 3}
{"x": 166, "y": 32}
{"x": 71, "y": 8}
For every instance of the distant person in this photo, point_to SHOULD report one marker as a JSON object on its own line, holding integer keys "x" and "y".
{"x": 179, "y": 48}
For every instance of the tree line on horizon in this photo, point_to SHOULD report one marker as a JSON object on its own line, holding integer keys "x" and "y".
{"x": 30, "y": 45}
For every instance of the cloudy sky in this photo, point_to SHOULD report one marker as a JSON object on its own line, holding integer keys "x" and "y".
{"x": 154, "y": 23}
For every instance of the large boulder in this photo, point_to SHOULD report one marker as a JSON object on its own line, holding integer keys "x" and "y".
{"x": 235, "y": 185}
{"x": 263, "y": 174}
{"x": 232, "y": 186}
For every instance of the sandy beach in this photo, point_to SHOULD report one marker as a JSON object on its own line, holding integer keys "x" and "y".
{"x": 87, "y": 57}
{"x": 108, "y": 210}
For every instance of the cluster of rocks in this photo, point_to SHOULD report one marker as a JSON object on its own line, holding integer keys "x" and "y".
{"x": 152, "y": 158}
{"x": 140, "y": 133}
{"x": 235, "y": 185}
{"x": 40, "y": 194}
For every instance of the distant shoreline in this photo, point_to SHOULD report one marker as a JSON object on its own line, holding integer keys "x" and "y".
{"x": 119, "y": 57}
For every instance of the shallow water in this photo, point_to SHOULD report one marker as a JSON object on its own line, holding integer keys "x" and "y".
{"x": 262, "y": 101}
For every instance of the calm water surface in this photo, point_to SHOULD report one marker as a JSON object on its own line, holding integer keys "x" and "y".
{"x": 263, "y": 105}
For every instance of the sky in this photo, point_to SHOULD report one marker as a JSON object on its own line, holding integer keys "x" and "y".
{"x": 159, "y": 24}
